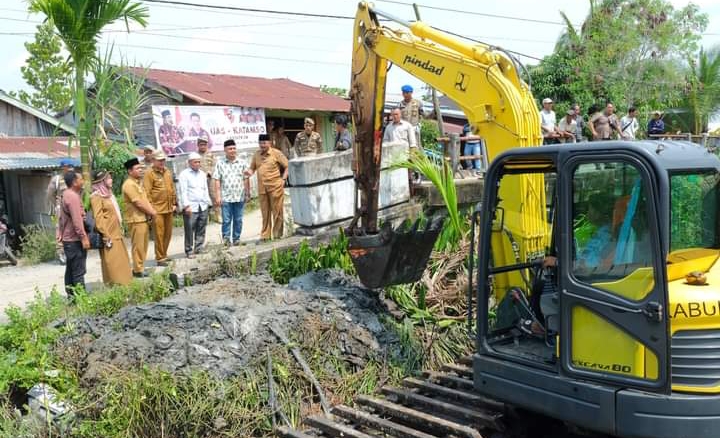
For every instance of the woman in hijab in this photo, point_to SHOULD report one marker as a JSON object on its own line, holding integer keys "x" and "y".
{"x": 108, "y": 222}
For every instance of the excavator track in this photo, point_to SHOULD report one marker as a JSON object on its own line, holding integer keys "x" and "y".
{"x": 442, "y": 404}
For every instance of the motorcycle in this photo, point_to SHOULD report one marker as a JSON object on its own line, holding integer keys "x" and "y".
{"x": 7, "y": 234}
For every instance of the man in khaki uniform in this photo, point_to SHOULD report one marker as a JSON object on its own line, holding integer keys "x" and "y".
{"x": 411, "y": 110}
{"x": 138, "y": 212}
{"x": 272, "y": 172}
{"x": 160, "y": 189}
{"x": 148, "y": 151}
{"x": 207, "y": 165}
{"x": 308, "y": 142}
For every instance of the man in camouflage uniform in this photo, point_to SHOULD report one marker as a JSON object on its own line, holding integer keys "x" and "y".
{"x": 55, "y": 190}
{"x": 147, "y": 162}
{"x": 411, "y": 110}
{"x": 308, "y": 142}
{"x": 207, "y": 165}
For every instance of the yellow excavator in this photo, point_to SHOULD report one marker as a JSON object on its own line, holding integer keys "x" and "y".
{"x": 597, "y": 289}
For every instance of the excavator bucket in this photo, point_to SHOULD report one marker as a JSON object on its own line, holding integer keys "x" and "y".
{"x": 394, "y": 256}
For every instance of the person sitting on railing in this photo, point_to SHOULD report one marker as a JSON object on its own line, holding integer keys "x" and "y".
{"x": 472, "y": 148}
{"x": 656, "y": 126}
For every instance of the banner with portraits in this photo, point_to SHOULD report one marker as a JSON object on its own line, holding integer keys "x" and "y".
{"x": 178, "y": 127}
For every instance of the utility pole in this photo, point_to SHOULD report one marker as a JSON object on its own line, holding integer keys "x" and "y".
{"x": 436, "y": 102}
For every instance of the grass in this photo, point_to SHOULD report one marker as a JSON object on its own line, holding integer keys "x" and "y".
{"x": 38, "y": 244}
{"x": 145, "y": 402}
{"x": 285, "y": 265}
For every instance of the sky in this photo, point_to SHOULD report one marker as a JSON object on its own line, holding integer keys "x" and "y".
{"x": 310, "y": 50}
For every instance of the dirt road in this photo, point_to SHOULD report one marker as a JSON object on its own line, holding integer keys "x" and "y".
{"x": 20, "y": 283}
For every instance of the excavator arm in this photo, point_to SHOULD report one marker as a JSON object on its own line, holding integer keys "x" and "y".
{"x": 482, "y": 80}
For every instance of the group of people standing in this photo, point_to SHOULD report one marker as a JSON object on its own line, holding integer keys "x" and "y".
{"x": 602, "y": 125}
{"x": 150, "y": 200}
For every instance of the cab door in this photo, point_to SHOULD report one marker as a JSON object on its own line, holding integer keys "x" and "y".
{"x": 613, "y": 285}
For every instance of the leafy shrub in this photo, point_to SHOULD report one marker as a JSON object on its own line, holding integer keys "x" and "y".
{"x": 429, "y": 133}
{"x": 113, "y": 160}
{"x": 38, "y": 244}
{"x": 27, "y": 340}
{"x": 288, "y": 264}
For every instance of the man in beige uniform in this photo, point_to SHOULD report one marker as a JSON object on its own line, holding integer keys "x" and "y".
{"x": 160, "y": 189}
{"x": 207, "y": 165}
{"x": 272, "y": 172}
{"x": 138, "y": 212}
{"x": 411, "y": 110}
{"x": 308, "y": 142}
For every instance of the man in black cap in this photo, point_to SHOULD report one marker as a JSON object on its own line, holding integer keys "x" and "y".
{"x": 343, "y": 137}
{"x": 272, "y": 172}
{"x": 169, "y": 135}
{"x": 138, "y": 213}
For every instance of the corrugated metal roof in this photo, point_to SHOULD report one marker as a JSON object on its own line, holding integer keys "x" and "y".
{"x": 222, "y": 89}
{"x": 37, "y": 113}
{"x": 30, "y": 153}
{"x": 29, "y": 163}
{"x": 47, "y": 146}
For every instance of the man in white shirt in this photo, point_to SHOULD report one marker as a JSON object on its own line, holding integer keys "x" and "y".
{"x": 629, "y": 125}
{"x": 399, "y": 130}
{"x": 568, "y": 127}
{"x": 194, "y": 202}
{"x": 548, "y": 122}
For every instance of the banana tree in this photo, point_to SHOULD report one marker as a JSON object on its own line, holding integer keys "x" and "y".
{"x": 79, "y": 24}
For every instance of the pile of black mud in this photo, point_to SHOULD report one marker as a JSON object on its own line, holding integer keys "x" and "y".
{"x": 222, "y": 325}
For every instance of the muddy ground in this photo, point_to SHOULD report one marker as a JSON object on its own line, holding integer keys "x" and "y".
{"x": 222, "y": 325}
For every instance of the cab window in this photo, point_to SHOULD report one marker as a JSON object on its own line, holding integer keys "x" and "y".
{"x": 611, "y": 239}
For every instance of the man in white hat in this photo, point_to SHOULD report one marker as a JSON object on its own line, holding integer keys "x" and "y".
{"x": 194, "y": 203}
{"x": 548, "y": 122}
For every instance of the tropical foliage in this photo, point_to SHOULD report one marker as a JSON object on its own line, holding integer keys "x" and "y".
{"x": 703, "y": 88}
{"x": 47, "y": 71}
{"x": 79, "y": 24}
{"x": 630, "y": 52}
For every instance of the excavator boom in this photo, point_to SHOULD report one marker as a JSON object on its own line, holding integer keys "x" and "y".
{"x": 483, "y": 81}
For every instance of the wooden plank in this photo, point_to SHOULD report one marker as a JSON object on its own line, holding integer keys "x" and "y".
{"x": 460, "y": 370}
{"x": 418, "y": 418}
{"x": 331, "y": 428}
{"x": 379, "y": 424}
{"x": 476, "y": 416}
{"x": 285, "y": 432}
{"x": 451, "y": 393}
{"x": 449, "y": 380}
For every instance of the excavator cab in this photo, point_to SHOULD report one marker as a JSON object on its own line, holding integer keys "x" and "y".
{"x": 587, "y": 339}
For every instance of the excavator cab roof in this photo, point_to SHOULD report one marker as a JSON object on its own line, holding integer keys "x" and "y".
{"x": 667, "y": 155}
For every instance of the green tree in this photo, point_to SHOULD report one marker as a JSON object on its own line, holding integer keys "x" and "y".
{"x": 335, "y": 91}
{"x": 626, "y": 51}
{"x": 79, "y": 24}
{"x": 47, "y": 72}
{"x": 703, "y": 88}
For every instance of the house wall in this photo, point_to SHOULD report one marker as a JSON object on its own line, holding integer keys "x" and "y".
{"x": 293, "y": 120}
{"x": 15, "y": 122}
{"x": 25, "y": 194}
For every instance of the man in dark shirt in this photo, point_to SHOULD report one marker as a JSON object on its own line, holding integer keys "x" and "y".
{"x": 72, "y": 233}
{"x": 656, "y": 126}
{"x": 343, "y": 137}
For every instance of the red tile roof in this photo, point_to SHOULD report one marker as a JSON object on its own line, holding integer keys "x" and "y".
{"x": 223, "y": 89}
{"x": 37, "y": 146}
